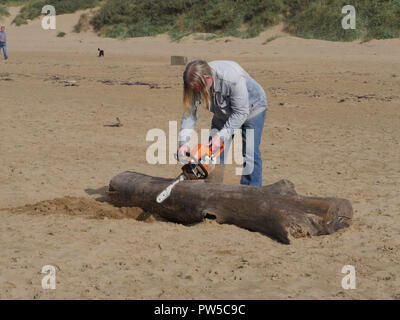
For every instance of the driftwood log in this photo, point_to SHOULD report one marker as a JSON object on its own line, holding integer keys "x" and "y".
{"x": 275, "y": 210}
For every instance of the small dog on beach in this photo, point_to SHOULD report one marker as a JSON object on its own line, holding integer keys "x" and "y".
{"x": 101, "y": 52}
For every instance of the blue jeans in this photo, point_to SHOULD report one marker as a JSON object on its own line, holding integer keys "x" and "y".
{"x": 3, "y": 46}
{"x": 251, "y": 138}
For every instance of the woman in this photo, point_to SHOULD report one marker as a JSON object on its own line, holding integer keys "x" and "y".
{"x": 237, "y": 101}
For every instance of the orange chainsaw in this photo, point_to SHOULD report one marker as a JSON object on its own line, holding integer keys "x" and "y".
{"x": 200, "y": 162}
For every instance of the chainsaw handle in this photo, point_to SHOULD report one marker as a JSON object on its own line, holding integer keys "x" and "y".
{"x": 189, "y": 158}
{"x": 218, "y": 152}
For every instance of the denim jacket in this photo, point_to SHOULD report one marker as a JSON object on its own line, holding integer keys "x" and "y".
{"x": 3, "y": 37}
{"x": 235, "y": 97}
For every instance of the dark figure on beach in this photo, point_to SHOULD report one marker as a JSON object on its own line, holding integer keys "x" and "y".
{"x": 101, "y": 52}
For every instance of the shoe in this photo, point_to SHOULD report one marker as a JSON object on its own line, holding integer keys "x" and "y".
{"x": 5, "y": 58}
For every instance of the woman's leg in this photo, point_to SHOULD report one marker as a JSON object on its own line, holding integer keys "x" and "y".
{"x": 252, "y": 163}
{"x": 4, "y": 50}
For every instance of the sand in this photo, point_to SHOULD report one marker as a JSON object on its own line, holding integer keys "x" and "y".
{"x": 332, "y": 129}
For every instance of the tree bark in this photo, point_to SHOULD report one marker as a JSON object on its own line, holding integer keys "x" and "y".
{"x": 275, "y": 210}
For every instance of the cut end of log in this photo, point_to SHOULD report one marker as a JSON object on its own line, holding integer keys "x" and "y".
{"x": 339, "y": 216}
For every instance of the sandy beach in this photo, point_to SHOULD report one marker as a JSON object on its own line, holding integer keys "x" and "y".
{"x": 332, "y": 128}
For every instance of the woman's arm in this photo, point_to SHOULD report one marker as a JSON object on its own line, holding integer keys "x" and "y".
{"x": 239, "y": 98}
{"x": 188, "y": 123}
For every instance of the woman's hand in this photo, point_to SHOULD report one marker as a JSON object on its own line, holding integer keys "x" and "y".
{"x": 183, "y": 149}
{"x": 216, "y": 143}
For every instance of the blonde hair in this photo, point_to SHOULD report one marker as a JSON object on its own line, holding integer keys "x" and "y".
{"x": 194, "y": 73}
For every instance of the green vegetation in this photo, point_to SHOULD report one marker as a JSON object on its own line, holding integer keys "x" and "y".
{"x": 33, "y": 8}
{"x": 61, "y": 34}
{"x": 319, "y": 19}
{"x": 322, "y": 19}
{"x": 135, "y": 18}
{"x": 13, "y": 3}
{"x": 4, "y": 12}
{"x": 83, "y": 23}
{"x": 8, "y": 3}
{"x": 272, "y": 38}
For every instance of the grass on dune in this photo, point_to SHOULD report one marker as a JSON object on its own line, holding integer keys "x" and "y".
{"x": 4, "y": 12}
{"x": 33, "y": 8}
{"x": 319, "y": 19}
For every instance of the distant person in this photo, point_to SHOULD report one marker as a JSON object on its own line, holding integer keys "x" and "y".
{"x": 3, "y": 41}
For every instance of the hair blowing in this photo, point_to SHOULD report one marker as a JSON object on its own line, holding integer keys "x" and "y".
{"x": 194, "y": 73}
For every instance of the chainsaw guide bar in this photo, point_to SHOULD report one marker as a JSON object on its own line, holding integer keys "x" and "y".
{"x": 202, "y": 162}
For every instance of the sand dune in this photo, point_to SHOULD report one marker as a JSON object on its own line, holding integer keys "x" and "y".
{"x": 332, "y": 128}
